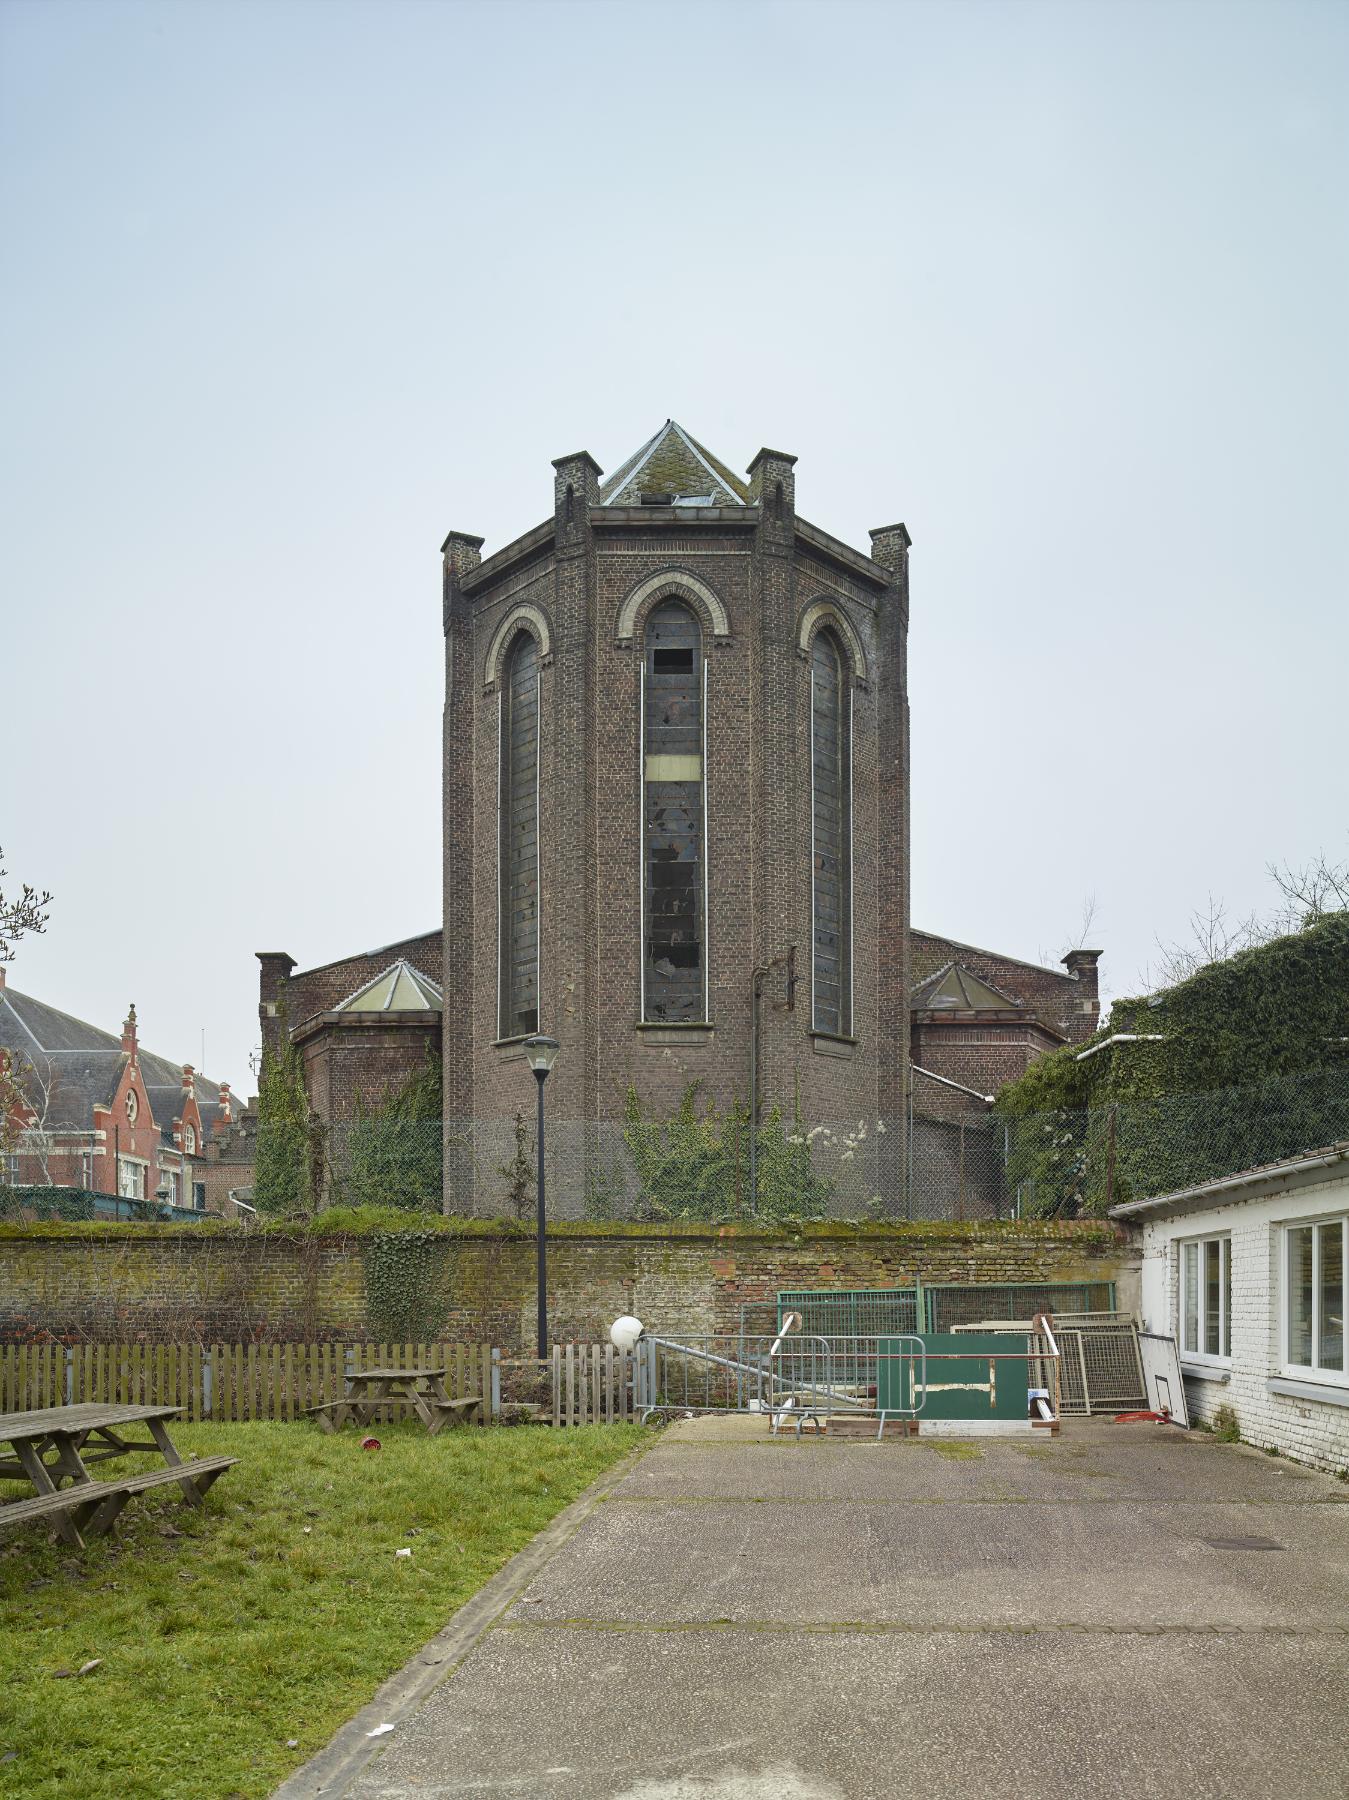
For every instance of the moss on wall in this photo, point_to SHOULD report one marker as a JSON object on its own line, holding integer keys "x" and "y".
{"x": 476, "y": 1282}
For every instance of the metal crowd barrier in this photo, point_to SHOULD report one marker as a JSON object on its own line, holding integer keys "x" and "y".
{"x": 796, "y": 1379}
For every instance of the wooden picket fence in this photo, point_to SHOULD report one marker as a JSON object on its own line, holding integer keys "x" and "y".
{"x": 592, "y": 1384}
{"x": 227, "y": 1382}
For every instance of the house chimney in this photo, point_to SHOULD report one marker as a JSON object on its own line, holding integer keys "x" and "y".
{"x": 772, "y": 488}
{"x": 189, "y": 1082}
{"x": 276, "y": 966}
{"x": 1082, "y": 964}
{"x": 890, "y": 546}
{"x": 226, "y": 1108}
{"x": 129, "y": 1045}
{"x": 2, "y": 978}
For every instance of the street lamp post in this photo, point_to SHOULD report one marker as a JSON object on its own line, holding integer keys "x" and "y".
{"x": 541, "y": 1053}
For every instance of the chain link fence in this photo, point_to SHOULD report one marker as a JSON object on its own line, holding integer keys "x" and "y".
{"x": 709, "y": 1167}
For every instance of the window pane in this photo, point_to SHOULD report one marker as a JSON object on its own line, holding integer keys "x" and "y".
{"x": 1213, "y": 1287}
{"x": 1300, "y": 1295}
{"x": 673, "y": 979}
{"x": 831, "y": 832}
{"x": 1189, "y": 1337}
{"x": 1330, "y": 1351}
{"x": 519, "y": 847}
{"x": 1227, "y": 1297}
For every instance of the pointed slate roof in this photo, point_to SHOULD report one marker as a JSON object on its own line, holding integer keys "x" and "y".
{"x": 674, "y": 463}
{"x": 957, "y": 989}
{"x": 400, "y": 988}
{"x": 85, "y": 1063}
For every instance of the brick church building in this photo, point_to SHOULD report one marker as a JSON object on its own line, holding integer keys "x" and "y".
{"x": 676, "y": 828}
{"x": 676, "y": 751}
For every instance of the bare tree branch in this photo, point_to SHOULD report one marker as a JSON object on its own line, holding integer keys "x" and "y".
{"x": 1312, "y": 892}
{"x": 25, "y": 914}
{"x": 42, "y": 1085}
{"x": 1086, "y": 927}
{"x": 1214, "y": 936}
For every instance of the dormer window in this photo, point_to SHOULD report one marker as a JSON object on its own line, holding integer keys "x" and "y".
{"x": 189, "y": 1140}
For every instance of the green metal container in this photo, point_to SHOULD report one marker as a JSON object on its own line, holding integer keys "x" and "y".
{"x": 969, "y": 1376}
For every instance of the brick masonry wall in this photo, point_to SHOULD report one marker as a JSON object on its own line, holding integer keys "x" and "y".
{"x": 369, "y": 1056}
{"x": 1312, "y": 1431}
{"x": 185, "y": 1284}
{"x": 984, "y": 1057}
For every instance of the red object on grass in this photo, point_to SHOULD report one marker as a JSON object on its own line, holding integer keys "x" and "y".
{"x": 1134, "y": 1418}
{"x": 370, "y": 1444}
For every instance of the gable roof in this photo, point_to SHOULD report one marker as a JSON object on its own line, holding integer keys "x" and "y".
{"x": 950, "y": 943}
{"x": 399, "y": 988}
{"x": 674, "y": 463}
{"x": 954, "y": 988}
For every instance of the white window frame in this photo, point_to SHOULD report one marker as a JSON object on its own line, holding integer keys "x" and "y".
{"x": 1312, "y": 1371}
{"x": 136, "y": 1167}
{"x": 1195, "y": 1353}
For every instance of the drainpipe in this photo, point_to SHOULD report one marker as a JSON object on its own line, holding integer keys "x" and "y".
{"x": 753, "y": 1089}
{"x": 787, "y": 962}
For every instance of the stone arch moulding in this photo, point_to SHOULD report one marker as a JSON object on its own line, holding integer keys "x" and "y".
{"x": 672, "y": 584}
{"x": 825, "y": 612}
{"x": 523, "y": 617}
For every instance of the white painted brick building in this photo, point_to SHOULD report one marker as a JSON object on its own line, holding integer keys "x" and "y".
{"x": 1247, "y": 1273}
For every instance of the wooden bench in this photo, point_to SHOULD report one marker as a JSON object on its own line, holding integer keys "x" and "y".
{"x": 462, "y": 1408}
{"x": 367, "y": 1390}
{"x": 94, "y": 1505}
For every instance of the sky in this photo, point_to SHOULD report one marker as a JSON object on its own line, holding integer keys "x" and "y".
{"x": 290, "y": 290}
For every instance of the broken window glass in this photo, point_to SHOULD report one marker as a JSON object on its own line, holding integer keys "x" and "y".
{"x": 673, "y": 979}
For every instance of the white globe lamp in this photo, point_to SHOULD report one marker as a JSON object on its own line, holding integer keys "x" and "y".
{"x": 624, "y": 1332}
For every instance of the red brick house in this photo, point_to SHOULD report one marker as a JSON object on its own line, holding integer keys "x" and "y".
{"x": 85, "y": 1109}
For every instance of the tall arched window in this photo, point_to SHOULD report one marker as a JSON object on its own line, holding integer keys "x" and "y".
{"x": 674, "y": 968}
{"x": 831, "y": 837}
{"x": 518, "y": 874}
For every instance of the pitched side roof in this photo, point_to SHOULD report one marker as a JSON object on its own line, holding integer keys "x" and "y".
{"x": 954, "y": 988}
{"x": 32, "y": 1024}
{"x": 76, "y": 1082}
{"x": 85, "y": 1062}
{"x": 674, "y": 463}
{"x": 399, "y": 988}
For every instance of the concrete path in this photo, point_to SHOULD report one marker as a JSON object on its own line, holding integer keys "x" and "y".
{"x": 1126, "y": 1610}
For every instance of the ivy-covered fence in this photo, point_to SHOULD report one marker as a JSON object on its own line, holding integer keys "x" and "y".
{"x": 1245, "y": 1063}
{"x": 1072, "y": 1162}
{"x": 1052, "y": 1162}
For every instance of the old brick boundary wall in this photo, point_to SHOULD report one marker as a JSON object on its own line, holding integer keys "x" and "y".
{"x": 184, "y": 1284}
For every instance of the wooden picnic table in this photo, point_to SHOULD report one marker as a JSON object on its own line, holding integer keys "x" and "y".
{"x": 57, "y": 1443}
{"x": 422, "y": 1389}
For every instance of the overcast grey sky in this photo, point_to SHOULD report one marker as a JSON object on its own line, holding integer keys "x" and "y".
{"x": 291, "y": 289}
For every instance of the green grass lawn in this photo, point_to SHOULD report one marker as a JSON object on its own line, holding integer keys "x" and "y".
{"x": 273, "y": 1614}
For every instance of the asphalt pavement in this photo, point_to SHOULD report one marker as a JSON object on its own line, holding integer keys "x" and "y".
{"x": 1122, "y": 1610}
